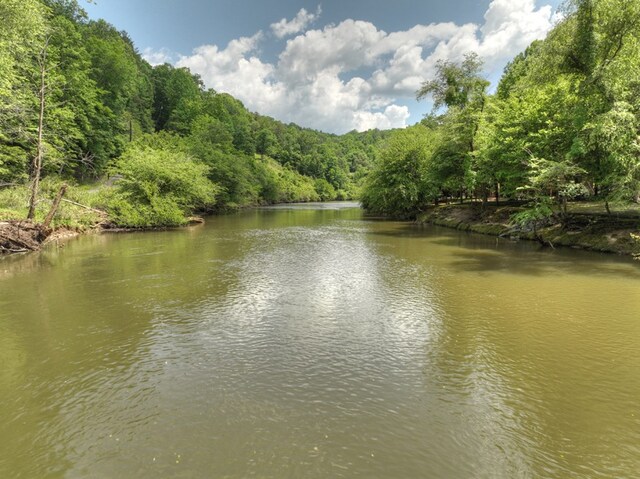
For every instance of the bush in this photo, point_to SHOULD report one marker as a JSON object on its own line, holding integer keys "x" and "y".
{"x": 325, "y": 190}
{"x": 157, "y": 187}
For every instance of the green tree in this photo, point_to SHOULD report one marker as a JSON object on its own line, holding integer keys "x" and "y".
{"x": 266, "y": 143}
{"x": 401, "y": 182}
{"x": 461, "y": 88}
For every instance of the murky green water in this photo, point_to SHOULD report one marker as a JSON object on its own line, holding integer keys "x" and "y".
{"x": 300, "y": 342}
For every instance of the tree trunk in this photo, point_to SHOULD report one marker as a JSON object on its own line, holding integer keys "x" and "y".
{"x": 497, "y": 194}
{"x": 54, "y": 207}
{"x": 606, "y": 206}
{"x": 37, "y": 160}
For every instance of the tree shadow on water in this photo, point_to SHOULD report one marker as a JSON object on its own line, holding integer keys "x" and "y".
{"x": 544, "y": 261}
{"x": 474, "y": 252}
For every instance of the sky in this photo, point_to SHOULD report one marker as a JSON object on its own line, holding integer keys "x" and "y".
{"x": 331, "y": 65}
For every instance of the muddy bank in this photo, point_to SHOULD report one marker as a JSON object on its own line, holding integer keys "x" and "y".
{"x": 21, "y": 236}
{"x": 594, "y": 232}
{"x": 24, "y": 236}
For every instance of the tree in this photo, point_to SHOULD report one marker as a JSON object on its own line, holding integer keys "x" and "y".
{"x": 456, "y": 85}
{"x": 460, "y": 88}
{"x": 21, "y": 39}
{"x": 177, "y": 99}
{"x": 266, "y": 142}
{"x": 36, "y": 170}
{"x": 401, "y": 183}
{"x": 158, "y": 187}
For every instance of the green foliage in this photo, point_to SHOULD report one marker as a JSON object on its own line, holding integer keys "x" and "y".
{"x": 102, "y": 96}
{"x": 266, "y": 142}
{"x": 534, "y": 216}
{"x": 456, "y": 85}
{"x": 157, "y": 187}
{"x": 563, "y": 124}
{"x": 401, "y": 182}
{"x": 324, "y": 189}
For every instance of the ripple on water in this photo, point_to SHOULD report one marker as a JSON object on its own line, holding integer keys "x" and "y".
{"x": 288, "y": 344}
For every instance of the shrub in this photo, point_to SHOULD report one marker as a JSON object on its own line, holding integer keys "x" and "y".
{"x": 158, "y": 187}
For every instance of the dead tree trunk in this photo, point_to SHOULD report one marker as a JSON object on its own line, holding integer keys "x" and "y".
{"x": 37, "y": 160}
{"x": 54, "y": 207}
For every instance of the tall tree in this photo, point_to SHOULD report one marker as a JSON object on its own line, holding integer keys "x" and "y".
{"x": 36, "y": 170}
{"x": 462, "y": 89}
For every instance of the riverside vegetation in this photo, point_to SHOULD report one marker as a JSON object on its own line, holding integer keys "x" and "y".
{"x": 142, "y": 146}
{"x": 560, "y": 130}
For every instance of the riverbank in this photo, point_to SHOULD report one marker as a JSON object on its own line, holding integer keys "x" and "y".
{"x": 25, "y": 236}
{"x": 583, "y": 230}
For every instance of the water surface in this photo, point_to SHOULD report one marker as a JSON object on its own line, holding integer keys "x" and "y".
{"x": 308, "y": 341}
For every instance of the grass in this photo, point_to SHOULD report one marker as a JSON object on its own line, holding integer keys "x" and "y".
{"x": 593, "y": 207}
{"x": 14, "y": 204}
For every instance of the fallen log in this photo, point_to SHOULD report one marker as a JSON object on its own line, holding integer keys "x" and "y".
{"x": 104, "y": 213}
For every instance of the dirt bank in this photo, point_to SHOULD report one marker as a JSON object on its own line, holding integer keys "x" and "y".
{"x": 24, "y": 236}
{"x": 21, "y": 236}
{"x": 595, "y": 232}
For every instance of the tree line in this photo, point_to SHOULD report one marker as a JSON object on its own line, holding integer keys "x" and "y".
{"x": 563, "y": 124}
{"x": 78, "y": 103}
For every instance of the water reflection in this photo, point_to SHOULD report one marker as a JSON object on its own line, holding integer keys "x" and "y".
{"x": 306, "y": 342}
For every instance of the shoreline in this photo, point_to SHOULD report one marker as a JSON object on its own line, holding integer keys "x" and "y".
{"x": 586, "y": 231}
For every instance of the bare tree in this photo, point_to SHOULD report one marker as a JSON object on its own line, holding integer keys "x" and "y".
{"x": 36, "y": 169}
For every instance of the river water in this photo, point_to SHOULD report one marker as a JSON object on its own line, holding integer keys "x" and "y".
{"x": 309, "y": 341}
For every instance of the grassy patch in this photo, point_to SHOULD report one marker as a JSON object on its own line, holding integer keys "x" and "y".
{"x": 14, "y": 204}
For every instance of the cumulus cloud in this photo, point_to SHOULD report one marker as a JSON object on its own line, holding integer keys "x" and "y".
{"x": 353, "y": 75}
{"x": 157, "y": 57}
{"x": 301, "y": 21}
{"x": 512, "y": 23}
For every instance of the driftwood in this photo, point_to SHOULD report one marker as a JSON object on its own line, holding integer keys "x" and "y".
{"x": 84, "y": 206}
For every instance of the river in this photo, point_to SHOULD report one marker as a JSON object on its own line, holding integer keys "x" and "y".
{"x": 309, "y": 341}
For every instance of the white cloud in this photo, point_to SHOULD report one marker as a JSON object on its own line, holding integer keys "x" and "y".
{"x": 352, "y": 75}
{"x": 302, "y": 20}
{"x": 394, "y": 116}
{"x": 157, "y": 57}
{"x": 512, "y": 23}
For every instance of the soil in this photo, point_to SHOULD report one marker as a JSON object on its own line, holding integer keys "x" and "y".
{"x": 21, "y": 236}
{"x": 595, "y": 232}
{"x": 25, "y": 236}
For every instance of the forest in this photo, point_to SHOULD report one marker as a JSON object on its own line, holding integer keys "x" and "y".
{"x": 561, "y": 126}
{"x": 143, "y": 146}
{"x": 148, "y": 146}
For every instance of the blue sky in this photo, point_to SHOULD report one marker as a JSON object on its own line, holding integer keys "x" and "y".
{"x": 330, "y": 65}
